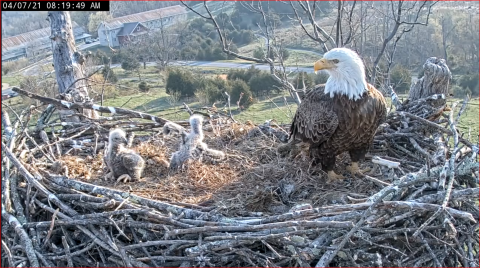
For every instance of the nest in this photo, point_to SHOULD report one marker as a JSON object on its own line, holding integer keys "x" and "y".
{"x": 418, "y": 205}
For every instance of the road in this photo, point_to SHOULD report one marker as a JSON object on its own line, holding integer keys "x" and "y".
{"x": 35, "y": 69}
{"x": 219, "y": 64}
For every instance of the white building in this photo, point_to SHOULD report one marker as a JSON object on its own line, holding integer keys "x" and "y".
{"x": 35, "y": 42}
{"x": 116, "y": 31}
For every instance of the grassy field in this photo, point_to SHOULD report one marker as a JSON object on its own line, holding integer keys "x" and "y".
{"x": 157, "y": 102}
{"x": 278, "y": 107}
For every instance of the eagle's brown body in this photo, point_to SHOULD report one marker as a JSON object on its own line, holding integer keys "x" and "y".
{"x": 335, "y": 125}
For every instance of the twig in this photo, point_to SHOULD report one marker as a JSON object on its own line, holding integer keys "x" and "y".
{"x": 67, "y": 252}
{"x": 52, "y": 224}
{"x": 24, "y": 239}
{"x": 104, "y": 109}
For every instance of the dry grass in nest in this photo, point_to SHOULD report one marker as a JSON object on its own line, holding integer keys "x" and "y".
{"x": 252, "y": 179}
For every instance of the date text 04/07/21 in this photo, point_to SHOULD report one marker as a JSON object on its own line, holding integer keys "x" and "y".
{"x": 55, "y": 6}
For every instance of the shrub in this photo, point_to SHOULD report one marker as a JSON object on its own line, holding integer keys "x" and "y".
{"x": 102, "y": 57}
{"x": 181, "y": 81}
{"x": 263, "y": 82}
{"x": 130, "y": 64}
{"x": 12, "y": 66}
{"x": 143, "y": 86}
{"x": 302, "y": 78}
{"x": 459, "y": 92}
{"x": 109, "y": 75}
{"x": 210, "y": 90}
{"x": 469, "y": 82}
{"x": 240, "y": 89}
{"x": 259, "y": 53}
{"x": 401, "y": 79}
{"x": 243, "y": 74}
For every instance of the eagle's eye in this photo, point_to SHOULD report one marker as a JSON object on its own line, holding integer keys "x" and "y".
{"x": 335, "y": 61}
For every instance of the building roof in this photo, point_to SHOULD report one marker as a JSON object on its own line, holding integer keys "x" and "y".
{"x": 22, "y": 39}
{"x": 145, "y": 16}
{"x": 128, "y": 28}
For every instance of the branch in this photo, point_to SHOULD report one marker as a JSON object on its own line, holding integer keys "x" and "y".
{"x": 103, "y": 109}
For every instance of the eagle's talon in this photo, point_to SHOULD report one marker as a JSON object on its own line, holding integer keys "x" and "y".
{"x": 353, "y": 168}
{"x": 332, "y": 176}
{"x": 125, "y": 177}
{"x": 109, "y": 176}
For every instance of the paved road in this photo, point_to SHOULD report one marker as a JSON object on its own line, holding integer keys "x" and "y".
{"x": 219, "y": 64}
{"x": 35, "y": 68}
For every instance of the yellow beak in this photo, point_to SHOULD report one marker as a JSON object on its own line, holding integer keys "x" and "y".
{"x": 322, "y": 65}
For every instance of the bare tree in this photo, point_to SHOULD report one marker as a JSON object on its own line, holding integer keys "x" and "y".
{"x": 390, "y": 20}
{"x": 68, "y": 64}
{"x": 115, "y": 7}
{"x": 165, "y": 44}
{"x": 266, "y": 28}
{"x": 405, "y": 14}
{"x": 317, "y": 34}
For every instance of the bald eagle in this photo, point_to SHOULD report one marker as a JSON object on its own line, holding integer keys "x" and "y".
{"x": 341, "y": 115}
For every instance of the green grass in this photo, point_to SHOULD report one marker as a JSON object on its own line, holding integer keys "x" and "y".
{"x": 157, "y": 102}
{"x": 301, "y": 58}
{"x": 469, "y": 120}
{"x": 12, "y": 80}
{"x": 274, "y": 107}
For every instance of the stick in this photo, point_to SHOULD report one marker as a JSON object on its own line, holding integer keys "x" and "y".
{"x": 305, "y": 224}
{"x": 24, "y": 239}
{"x": 384, "y": 162}
{"x": 32, "y": 180}
{"x": 436, "y": 126}
{"x": 67, "y": 252}
{"x": 330, "y": 254}
{"x": 52, "y": 224}
{"x": 103, "y": 109}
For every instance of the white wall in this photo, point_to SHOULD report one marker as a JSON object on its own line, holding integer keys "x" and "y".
{"x": 102, "y": 35}
{"x": 113, "y": 41}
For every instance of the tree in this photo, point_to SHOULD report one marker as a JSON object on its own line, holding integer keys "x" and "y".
{"x": 143, "y": 86}
{"x": 400, "y": 78}
{"x": 470, "y": 83}
{"x": 181, "y": 81}
{"x": 82, "y": 18}
{"x": 241, "y": 94}
{"x": 68, "y": 64}
{"x": 130, "y": 63}
{"x": 303, "y": 81}
{"x": 95, "y": 20}
{"x": 109, "y": 75}
{"x": 271, "y": 41}
{"x": 376, "y": 29}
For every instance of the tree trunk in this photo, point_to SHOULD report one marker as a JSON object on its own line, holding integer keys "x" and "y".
{"x": 68, "y": 64}
{"x": 435, "y": 80}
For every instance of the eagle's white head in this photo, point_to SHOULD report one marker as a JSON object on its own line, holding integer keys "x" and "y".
{"x": 347, "y": 73}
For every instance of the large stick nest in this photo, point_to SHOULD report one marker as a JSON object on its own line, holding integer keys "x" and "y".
{"x": 417, "y": 206}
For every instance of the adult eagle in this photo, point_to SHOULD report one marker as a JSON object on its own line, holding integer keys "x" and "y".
{"x": 341, "y": 115}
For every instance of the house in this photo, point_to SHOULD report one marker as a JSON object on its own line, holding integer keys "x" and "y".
{"x": 35, "y": 42}
{"x": 130, "y": 32}
{"x": 117, "y": 31}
